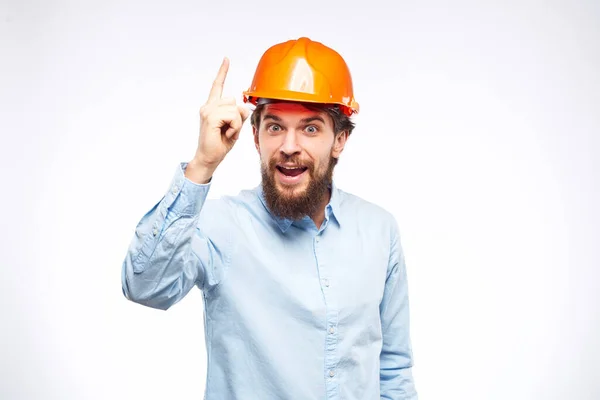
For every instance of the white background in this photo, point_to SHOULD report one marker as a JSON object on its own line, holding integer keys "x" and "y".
{"x": 479, "y": 129}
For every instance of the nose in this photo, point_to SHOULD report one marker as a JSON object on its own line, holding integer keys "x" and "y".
{"x": 290, "y": 145}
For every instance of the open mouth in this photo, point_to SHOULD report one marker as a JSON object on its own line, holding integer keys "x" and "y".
{"x": 291, "y": 171}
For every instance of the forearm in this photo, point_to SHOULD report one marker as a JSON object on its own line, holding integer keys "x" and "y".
{"x": 160, "y": 266}
{"x": 396, "y": 380}
{"x": 396, "y": 359}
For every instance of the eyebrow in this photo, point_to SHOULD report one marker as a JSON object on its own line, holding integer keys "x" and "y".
{"x": 271, "y": 116}
{"x": 311, "y": 119}
{"x": 302, "y": 121}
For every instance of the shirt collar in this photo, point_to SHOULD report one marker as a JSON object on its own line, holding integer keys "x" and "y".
{"x": 331, "y": 210}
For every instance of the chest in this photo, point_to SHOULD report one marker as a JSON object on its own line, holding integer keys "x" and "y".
{"x": 309, "y": 273}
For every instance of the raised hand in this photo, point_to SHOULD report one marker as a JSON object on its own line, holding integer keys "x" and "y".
{"x": 221, "y": 120}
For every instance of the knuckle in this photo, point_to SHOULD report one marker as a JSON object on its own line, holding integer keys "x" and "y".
{"x": 203, "y": 111}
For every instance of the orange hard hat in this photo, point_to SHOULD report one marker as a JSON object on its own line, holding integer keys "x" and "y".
{"x": 305, "y": 71}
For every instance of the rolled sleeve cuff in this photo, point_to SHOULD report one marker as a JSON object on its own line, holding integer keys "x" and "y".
{"x": 184, "y": 196}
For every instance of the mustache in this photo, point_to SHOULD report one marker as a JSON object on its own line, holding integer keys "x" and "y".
{"x": 293, "y": 159}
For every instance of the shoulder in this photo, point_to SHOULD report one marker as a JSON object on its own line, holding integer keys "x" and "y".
{"x": 351, "y": 204}
{"x": 366, "y": 213}
{"x": 244, "y": 201}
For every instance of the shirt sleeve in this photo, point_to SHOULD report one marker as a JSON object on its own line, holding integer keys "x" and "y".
{"x": 172, "y": 250}
{"x": 396, "y": 359}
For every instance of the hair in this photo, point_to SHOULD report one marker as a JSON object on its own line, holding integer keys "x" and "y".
{"x": 341, "y": 122}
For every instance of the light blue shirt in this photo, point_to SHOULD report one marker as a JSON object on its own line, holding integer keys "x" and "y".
{"x": 291, "y": 311}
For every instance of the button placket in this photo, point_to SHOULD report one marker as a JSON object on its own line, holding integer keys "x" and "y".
{"x": 331, "y": 339}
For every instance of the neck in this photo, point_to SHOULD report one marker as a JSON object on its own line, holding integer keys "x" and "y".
{"x": 319, "y": 216}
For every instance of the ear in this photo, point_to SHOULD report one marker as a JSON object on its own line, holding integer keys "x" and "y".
{"x": 255, "y": 134}
{"x": 338, "y": 143}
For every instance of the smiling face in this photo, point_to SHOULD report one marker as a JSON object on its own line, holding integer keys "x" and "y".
{"x": 298, "y": 151}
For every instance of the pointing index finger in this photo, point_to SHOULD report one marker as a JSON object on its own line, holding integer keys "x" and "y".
{"x": 217, "y": 87}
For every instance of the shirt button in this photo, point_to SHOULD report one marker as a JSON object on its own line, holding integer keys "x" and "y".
{"x": 154, "y": 232}
{"x": 326, "y": 282}
{"x": 331, "y": 373}
{"x": 175, "y": 189}
{"x": 331, "y": 330}
{"x": 317, "y": 239}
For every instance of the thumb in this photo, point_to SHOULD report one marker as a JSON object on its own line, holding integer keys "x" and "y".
{"x": 244, "y": 112}
{"x": 232, "y": 134}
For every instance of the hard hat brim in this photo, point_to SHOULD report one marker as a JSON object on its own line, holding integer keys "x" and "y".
{"x": 349, "y": 105}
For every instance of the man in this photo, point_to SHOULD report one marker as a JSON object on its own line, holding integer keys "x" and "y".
{"x": 304, "y": 285}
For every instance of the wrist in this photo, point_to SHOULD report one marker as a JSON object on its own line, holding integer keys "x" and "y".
{"x": 199, "y": 172}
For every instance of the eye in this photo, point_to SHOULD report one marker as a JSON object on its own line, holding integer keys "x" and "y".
{"x": 274, "y": 128}
{"x": 312, "y": 129}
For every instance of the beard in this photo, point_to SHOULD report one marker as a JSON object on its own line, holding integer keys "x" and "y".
{"x": 284, "y": 202}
